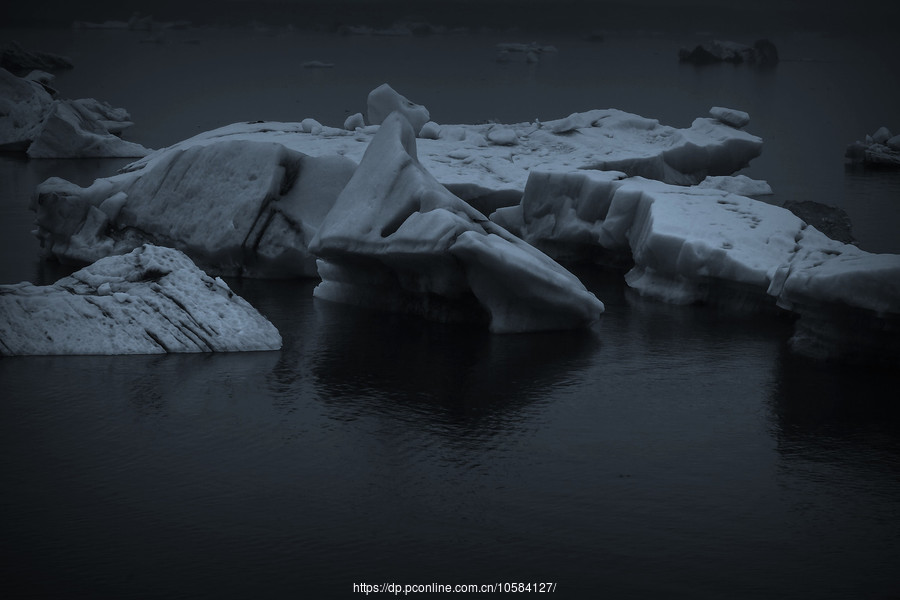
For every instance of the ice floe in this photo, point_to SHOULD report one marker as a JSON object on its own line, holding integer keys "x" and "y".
{"x": 397, "y": 239}
{"x": 150, "y": 301}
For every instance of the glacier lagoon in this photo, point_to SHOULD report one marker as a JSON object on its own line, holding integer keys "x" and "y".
{"x": 671, "y": 450}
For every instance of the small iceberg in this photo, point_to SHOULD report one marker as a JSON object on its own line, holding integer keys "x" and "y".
{"x": 151, "y": 301}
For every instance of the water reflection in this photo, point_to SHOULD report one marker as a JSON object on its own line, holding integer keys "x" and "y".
{"x": 408, "y": 368}
{"x": 834, "y": 410}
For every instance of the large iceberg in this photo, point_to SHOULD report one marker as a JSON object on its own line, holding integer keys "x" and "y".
{"x": 32, "y": 121}
{"x": 397, "y": 239}
{"x": 224, "y": 176}
{"x": 699, "y": 244}
{"x": 237, "y": 207}
{"x": 151, "y": 301}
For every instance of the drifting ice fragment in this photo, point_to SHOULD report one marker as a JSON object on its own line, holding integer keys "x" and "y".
{"x": 151, "y": 301}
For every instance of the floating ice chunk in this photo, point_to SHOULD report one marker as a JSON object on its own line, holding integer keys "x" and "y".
{"x": 153, "y": 300}
{"x": 235, "y": 206}
{"x": 848, "y": 300}
{"x": 383, "y": 100}
{"x": 72, "y": 130}
{"x": 33, "y": 121}
{"x": 763, "y": 53}
{"x": 730, "y": 116}
{"x": 880, "y": 149}
{"x": 694, "y": 244}
{"x": 317, "y": 64}
{"x": 396, "y": 239}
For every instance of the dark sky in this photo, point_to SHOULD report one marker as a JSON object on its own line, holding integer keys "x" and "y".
{"x": 529, "y": 14}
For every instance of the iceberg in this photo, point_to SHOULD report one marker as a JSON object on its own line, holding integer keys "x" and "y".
{"x": 880, "y": 150}
{"x": 763, "y": 52}
{"x": 699, "y": 244}
{"x": 23, "y": 104}
{"x": 150, "y": 301}
{"x": 396, "y": 239}
{"x": 81, "y": 129}
{"x": 236, "y": 207}
{"x": 485, "y": 165}
{"x": 847, "y": 300}
{"x": 34, "y": 122}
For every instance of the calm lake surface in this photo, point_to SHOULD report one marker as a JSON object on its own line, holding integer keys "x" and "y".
{"x": 669, "y": 452}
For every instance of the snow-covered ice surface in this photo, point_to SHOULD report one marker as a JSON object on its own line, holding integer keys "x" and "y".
{"x": 151, "y": 301}
{"x": 397, "y": 239}
{"x": 698, "y": 244}
{"x": 32, "y": 121}
{"x": 737, "y": 184}
{"x": 237, "y": 207}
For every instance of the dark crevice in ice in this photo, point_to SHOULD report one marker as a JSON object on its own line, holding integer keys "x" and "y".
{"x": 99, "y": 307}
{"x": 156, "y": 339}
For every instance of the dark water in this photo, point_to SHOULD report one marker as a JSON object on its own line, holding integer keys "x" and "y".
{"x": 669, "y": 452}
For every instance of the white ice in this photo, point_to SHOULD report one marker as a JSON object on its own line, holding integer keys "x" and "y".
{"x": 696, "y": 244}
{"x": 397, "y": 239}
{"x": 151, "y": 301}
{"x": 170, "y": 193}
{"x": 237, "y": 207}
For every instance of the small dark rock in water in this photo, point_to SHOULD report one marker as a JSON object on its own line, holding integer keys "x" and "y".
{"x": 763, "y": 53}
{"x": 830, "y": 220}
{"x": 19, "y": 61}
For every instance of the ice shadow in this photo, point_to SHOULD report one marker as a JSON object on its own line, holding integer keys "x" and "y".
{"x": 437, "y": 374}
